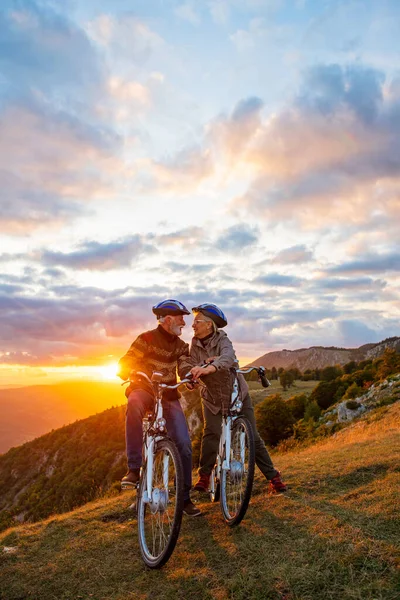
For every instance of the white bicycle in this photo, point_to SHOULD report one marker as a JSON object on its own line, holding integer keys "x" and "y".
{"x": 160, "y": 489}
{"x": 231, "y": 480}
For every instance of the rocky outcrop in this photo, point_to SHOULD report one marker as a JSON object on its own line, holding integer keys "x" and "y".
{"x": 380, "y": 394}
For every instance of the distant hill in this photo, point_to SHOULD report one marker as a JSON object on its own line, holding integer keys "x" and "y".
{"x": 28, "y": 412}
{"x": 320, "y": 356}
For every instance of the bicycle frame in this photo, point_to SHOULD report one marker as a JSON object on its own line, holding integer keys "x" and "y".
{"x": 226, "y": 431}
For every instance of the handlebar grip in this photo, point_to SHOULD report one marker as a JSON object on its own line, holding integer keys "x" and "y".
{"x": 264, "y": 381}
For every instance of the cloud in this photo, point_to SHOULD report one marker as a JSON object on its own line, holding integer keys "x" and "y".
{"x": 294, "y": 255}
{"x": 276, "y": 279}
{"x": 54, "y": 150}
{"x": 351, "y": 284}
{"x": 225, "y": 140}
{"x": 331, "y": 157}
{"x": 187, "y": 12}
{"x": 329, "y": 87}
{"x": 189, "y": 235}
{"x": 42, "y": 49}
{"x": 50, "y": 161}
{"x": 183, "y": 172}
{"x": 101, "y": 256}
{"x": 372, "y": 263}
{"x": 237, "y": 238}
{"x": 126, "y": 37}
{"x": 355, "y": 332}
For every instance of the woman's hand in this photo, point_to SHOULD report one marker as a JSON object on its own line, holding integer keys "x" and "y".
{"x": 199, "y": 371}
{"x": 210, "y": 359}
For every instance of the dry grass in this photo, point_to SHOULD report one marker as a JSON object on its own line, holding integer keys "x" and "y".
{"x": 334, "y": 535}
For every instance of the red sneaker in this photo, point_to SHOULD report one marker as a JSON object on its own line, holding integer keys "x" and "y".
{"x": 203, "y": 483}
{"x": 276, "y": 484}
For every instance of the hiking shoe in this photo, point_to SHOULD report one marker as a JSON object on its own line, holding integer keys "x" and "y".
{"x": 276, "y": 484}
{"x": 190, "y": 509}
{"x": 130, "y": 480}
{"x": 202, "y": 483}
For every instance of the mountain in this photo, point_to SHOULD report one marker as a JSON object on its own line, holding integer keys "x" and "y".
{"x": 28, "y": 412}
{"x": 320, "y": 356}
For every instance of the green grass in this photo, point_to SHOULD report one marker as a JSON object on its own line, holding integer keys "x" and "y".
{"x": 334, "y": 536}
{"x": 258, "y": 393}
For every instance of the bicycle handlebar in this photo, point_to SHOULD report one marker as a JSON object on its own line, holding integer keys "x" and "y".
{"x": 260, "y": 370}
{"x": 261, "y": 373}
{"x": 164, "y": 386}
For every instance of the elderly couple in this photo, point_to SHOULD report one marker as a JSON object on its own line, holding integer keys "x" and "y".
{"x": 161, "y": 350}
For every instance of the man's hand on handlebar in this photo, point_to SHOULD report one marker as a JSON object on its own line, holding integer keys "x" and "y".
{"x": 192, "y": 386}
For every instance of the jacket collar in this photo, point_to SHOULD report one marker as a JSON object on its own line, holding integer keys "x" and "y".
{"x": 211, "y": 341}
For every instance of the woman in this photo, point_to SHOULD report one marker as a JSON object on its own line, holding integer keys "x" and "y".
{"x": 209, "y": 343}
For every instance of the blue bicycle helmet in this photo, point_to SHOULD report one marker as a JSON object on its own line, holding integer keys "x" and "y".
{"x": 212, "y": 311}
{"x": 170, "y": 307}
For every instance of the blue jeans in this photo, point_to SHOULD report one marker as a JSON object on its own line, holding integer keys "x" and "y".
{"x": 139, "y": 402}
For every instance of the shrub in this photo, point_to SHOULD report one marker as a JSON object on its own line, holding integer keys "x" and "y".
{"x": 297, "y": 405}
{"x": 312, "y": 412}
{"x": 274, "y": 419}
{"x": 354, "y": 391}
{"x": 352, "y": 405}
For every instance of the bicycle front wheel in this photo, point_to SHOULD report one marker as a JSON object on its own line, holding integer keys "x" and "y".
{"x": 159, "y": 518}
{"x": 215, "y": 486}
{"x": 237, "y": 481}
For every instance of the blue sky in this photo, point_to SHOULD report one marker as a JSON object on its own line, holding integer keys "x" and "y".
{"x": 245, "y": 154}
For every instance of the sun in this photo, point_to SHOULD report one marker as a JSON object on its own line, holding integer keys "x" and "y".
{"x": 109, "y": 371}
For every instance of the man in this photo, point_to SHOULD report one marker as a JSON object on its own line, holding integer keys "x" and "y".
{"x": 209, "y": 343}
{"x": 157, "y": 350}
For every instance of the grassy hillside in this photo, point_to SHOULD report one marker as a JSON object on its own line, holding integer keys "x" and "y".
{"x": 28, "y": 412}
{"x": 63, "y": 469}
{"x": 334, "y": 535}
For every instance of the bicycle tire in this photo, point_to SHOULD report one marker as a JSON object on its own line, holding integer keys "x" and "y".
{"x": 215, "y": 486}
{"x": 237, "y": 482}
{"x": 159, "y": 522}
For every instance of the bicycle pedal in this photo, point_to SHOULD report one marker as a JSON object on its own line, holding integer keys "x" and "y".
{"x": 133, "y": 487}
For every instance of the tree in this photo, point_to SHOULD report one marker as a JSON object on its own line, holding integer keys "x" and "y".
{"x": 331, "y": 373}
{"x": 286, "y": 379}
{"x": 350, "y": 367}
{"x": 390, "y": 363}
{"x": 324, "y": 393}
{"x": 274, "y": 419}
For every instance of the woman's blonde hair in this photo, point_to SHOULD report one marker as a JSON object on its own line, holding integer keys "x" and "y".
{"x": 208, "y": 319}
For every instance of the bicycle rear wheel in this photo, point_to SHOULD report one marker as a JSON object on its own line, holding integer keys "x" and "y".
{"x": 237, "y": 482}
{"x": 159, "y": 520}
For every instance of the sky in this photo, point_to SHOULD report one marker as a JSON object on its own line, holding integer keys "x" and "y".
{"x": 240, "y": 153}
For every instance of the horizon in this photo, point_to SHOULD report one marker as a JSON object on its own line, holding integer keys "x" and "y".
{"x": 245, "y": 155}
